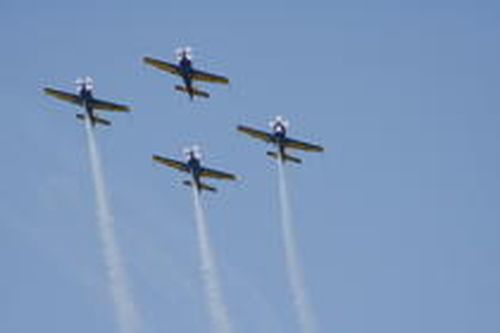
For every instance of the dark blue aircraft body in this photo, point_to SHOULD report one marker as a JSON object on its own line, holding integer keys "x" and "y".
{"x": 185, "y": 70}
{"x": 85, "y": 99}
{"x": 279, "y": 138}
{"x": 193, "y": 166}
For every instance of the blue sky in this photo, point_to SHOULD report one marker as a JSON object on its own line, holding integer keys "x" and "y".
{"x": 397, "y": 223}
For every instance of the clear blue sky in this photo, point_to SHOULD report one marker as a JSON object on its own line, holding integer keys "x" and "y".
{"x": 398, "y": 222}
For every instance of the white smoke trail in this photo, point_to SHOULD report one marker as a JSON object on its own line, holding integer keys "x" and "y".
{"x": 127, "y": 315}
{"x": 307, "y": 320}
{"x": 217, "y": 308}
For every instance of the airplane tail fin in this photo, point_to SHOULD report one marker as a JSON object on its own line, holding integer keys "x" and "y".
{"x": 194, "y": 91}
{"x": 286, "y": 157}
{"x": 96, "y": 120}
{"x": 202, "y": 187}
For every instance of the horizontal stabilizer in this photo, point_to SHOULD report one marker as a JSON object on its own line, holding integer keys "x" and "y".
{"x": 95, "y": 120}
{"x": 202, "y": 186}
{"x": 286, "y": 157}
{"x": 194, "y": 91}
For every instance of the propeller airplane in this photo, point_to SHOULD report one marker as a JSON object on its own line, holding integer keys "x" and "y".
{"x": 279, "y": 138}
{"x": 193, "y": 166}
{"x": 184, "y": 69}
{"x": 84, "y": 98}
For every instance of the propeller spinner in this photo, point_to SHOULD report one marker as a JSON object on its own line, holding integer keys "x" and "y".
{"x": 84, "y": 83}
{"x": 184, "y": 52}
{"x": 279, "y": 124}
{"x": 193, "y": 151}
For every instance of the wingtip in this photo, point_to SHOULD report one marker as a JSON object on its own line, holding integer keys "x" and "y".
{"x": 147, "y": 60}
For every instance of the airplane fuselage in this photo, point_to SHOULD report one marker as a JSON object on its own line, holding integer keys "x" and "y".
{"x": 86, "y": 100}
{"x": 186, "y": 68}
{"x": 195, "y": 168}
{"x": 279, "y": 137}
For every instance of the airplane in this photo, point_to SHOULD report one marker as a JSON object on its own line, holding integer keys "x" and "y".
{"x": 279, "y": 138}
{"x": 185, "y": 70}
{"x": 85, "y": 99}
{"x": 193, "y": 167}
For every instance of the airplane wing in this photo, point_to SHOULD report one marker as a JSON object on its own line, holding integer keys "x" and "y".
{"x": 171, "y": 163}
{"x": 207, "y": 77}
{"x": 255, "y": 133}
{"x": 64, "y": 96}
{"x": 109, "y": 106}
{"x": 162, "y": 65}
{"x": 295, "y": 144}
{"x": 210, "y": 173}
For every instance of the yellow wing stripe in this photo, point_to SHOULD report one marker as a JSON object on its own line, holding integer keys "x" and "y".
{"x": 295, "y": 144}
{"x": 207, "y": 77}
{"x": 171, "y": 163}
{"x": 210, "y": 173}
{"x": 109, "y": 106}
{"x": 63, "y": 96}
{"x": 255, "y": 133}
{"x": 162, "y": 65}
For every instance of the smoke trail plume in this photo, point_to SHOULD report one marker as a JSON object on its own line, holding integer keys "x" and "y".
{"x": 295, "y": 274}
{"x": 127, "y": 315}
{"x": 217, "y": 308}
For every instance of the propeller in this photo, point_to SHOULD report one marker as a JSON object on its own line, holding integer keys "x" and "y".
{"x": 84, "y": 82}
{"x": 192, "y": 151}
{"x": 279, "y": 121}
{"x": 197, "y": 151}
{"x": 186, "y": 152}
{"x": 182, "y": 52}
